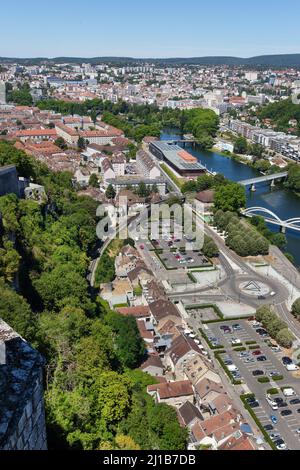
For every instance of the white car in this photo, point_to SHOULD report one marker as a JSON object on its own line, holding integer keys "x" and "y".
{"x": 281, "y": 446}
{"x": 235, "y": 341}
{"x": 289, "y": 392}
{"x": 291, "y": 367}
{"x": 298, "y": 431}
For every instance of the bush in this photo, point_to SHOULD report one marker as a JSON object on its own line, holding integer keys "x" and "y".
{"x": 277, "y": 378}
{"x": 296, "y": 308}
{"x": 263, "y": 380}
{"x": 273, "y": 391}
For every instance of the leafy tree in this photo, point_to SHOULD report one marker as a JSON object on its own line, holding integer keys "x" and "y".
{"x": 230, "y": 197}
{"x": 262, "y": 165}
{"x": 125, "y": 443}
{"x": 15, "y": 311}
{"x": 293, "y": 180}
{"x": 285, "y": 338}
{"x": 110, "y": 193}
{"x": 61, "y": 143}
{"x": 93, "y": 181}
{"x": 296, "y": 308}
{"x": 240, "y": 145}
{"x": 209, "y": 248}
{"x": 130, "y": 347}
{"x": 142, "y": 190}
{"x": 81, "y": 144}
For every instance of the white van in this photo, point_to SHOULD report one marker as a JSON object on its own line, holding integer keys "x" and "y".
{"x": 288, "y": 392}
{"x": 291, "y": 367}
{"x": 232, "y": 368}
{"x": 272, "y": 403}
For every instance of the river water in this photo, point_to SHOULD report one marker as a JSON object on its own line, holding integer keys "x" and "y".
{"x": 280, "y": 201}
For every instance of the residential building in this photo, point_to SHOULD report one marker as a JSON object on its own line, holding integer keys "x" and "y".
{"x": 172, "y": 393}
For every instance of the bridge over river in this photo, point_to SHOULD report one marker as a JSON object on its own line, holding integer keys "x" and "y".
{"x": 252, "y": 182}
{"x": 271, "y": 218}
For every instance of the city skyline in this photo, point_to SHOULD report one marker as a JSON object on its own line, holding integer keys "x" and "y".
{"x": 158, "y": 31}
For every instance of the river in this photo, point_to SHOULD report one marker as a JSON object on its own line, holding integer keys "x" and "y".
{"x": 282, "y": 202}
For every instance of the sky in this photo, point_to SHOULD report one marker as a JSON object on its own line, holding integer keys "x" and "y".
{"x": 152, "y": 28}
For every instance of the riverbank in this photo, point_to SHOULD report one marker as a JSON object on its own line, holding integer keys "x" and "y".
{"x": 232, "y": 156}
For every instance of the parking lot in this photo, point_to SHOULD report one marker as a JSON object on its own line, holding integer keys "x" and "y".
{"x": 259, "y": 361}
{"x": 180, "y": 259}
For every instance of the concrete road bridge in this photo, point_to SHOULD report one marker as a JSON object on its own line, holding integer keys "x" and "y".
{"x": 252, "y": 182}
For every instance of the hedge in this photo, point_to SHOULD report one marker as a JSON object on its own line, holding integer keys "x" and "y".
{"x": 273, "y": 391}
{"x": 240, "y": 349}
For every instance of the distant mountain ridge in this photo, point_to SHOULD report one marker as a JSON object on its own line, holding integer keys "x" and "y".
{"x": 276, "y": 60}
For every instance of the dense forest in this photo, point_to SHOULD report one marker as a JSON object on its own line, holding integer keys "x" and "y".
{"x": 137, "y": 121}
{"x": 95, "y": 395}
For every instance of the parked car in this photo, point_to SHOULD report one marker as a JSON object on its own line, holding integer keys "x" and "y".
{"x": 228, "y": 362}
{"x": 274, "y": 373}
{"x": 280, "y": 444}
{"x": 256, "y": 353}
{"x": 295, "y": 401}
{"x": 278, "y": 399}
{"x": 274, "y": 436}
{"x": 250, "y": 399}
{"x": 286, "y": 361}
{"x": 292, "y": 367}
{"x": 273, "y": 418}
{"x": 268, "y": 427}
{"x": 254, "y": 404}
{"x": 235, "y": 341}
{"x": 286, "y": 412}
{"x": 262, "y": 358}
{"x": 236, "y": 327}
{"x": 298, "y": 431}
{"x": 282, "y": 404}
{"x": 258, "y": 372}
{"x": 244, "y": 354}
{"x": 289, "y": 392}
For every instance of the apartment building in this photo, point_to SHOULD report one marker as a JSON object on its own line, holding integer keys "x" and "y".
{"x": 146, "y": 166}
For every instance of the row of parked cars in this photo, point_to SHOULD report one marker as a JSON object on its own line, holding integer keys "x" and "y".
{"x": 275, "y": 437}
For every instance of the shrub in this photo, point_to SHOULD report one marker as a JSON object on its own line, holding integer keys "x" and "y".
{"x": 296, "y": 308}
{"x": 263, "y": 380}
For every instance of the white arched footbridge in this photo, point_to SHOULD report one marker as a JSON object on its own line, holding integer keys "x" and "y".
{"x": 271, "y": 218}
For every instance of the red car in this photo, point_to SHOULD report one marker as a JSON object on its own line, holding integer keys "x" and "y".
{"x": 142, "y": 247}
{"x": 178, "y": 257}
{"x": 257, "y": 353}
